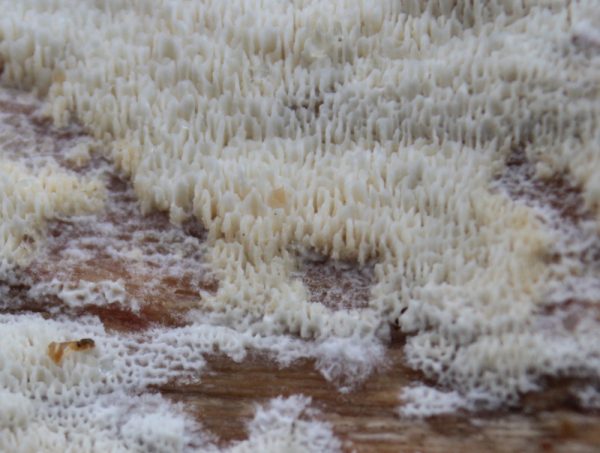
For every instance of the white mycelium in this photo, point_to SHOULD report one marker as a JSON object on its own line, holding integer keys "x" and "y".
{"x": 360, "y": 130}
{"x": 29, "y": 199}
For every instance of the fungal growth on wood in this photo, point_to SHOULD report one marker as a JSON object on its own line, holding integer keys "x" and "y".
{"x": 163, "y": 159}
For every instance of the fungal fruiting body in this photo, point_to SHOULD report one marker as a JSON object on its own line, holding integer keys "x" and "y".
{"x": 379, "y": 133}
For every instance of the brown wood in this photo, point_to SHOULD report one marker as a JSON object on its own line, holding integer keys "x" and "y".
{"x": 223, "y": 400}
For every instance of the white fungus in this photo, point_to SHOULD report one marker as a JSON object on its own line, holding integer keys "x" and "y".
{"x": 283, "y": 426}
{"x": 373, "y": 133}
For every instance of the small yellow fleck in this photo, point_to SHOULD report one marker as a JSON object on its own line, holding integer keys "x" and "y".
{"x": 57, "y": 350}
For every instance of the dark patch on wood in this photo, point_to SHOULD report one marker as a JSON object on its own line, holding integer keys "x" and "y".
{"x": 336, "y": 284}
{"x": 557, "y": 394}
{"x": 555, "y": 192}
{"x": 122, "y": 319}
{"x": 571, "y": 312}
{"x": 16, "y": 108}
{"x": 194, "y": 228}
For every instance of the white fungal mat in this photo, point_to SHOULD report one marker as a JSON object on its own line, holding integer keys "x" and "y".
{"x": 376, "y": 132}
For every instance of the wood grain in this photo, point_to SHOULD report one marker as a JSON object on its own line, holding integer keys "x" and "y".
{"x": 223, "y": 400}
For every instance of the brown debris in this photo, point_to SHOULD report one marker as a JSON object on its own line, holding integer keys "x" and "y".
{"x": 57, "y": 350}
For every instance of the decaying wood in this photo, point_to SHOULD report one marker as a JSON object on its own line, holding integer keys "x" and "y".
{"x": 224, "y": 399}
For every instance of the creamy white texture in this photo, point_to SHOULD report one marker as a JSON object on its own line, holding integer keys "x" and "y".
{"x": 366, "y": 131}
{"x": 29, "y": 199}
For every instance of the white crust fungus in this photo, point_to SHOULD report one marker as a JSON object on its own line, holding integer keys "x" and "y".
{"x": 30, "y": 198}
{"x": 362, "y": 131}
{"x": 280, "y": 426}
{"x": 90, "y": 401}
{"x": 85, "y": 293}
